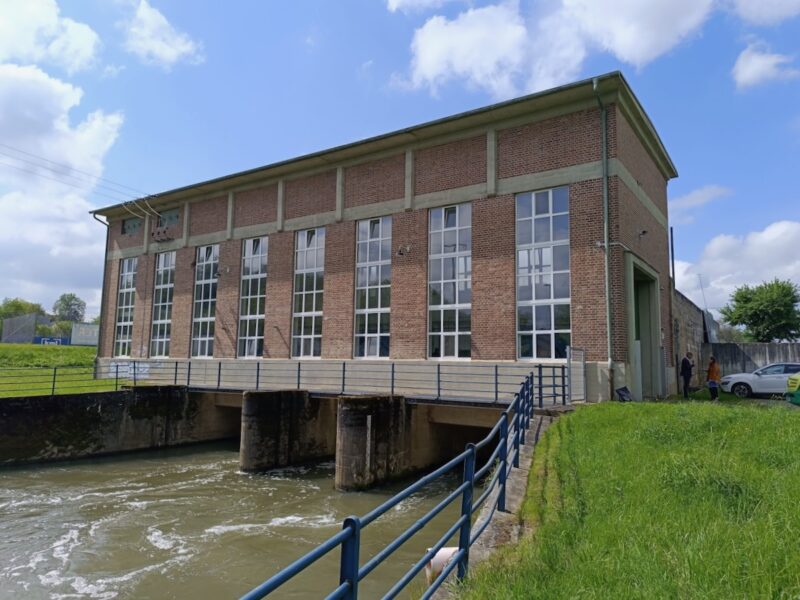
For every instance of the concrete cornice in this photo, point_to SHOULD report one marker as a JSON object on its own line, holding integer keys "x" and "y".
{"x": 561, "y": 100}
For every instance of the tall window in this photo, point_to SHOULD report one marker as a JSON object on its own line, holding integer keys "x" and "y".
{"x": 162, "y": 304}
{"x": 543, "y": 292}
{"x": 205, "y": 300}
{"x": 373, "y": 287}
{"x": 309, "y": 269}
{"x": 126, "y": 297}
{"x": 251, "y": 299}
{"x": 450, "y": 282}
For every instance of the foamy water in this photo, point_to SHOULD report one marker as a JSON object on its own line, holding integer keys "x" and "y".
{"x": 185, "y": 524}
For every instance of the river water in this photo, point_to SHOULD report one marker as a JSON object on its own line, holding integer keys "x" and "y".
{"x": 185, "y": 523}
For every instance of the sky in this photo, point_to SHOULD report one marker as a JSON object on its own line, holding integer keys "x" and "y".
{"x": 105, "y": 100}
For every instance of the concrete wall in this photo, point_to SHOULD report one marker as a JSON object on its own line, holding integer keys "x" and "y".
{"x": 745, "y": 358}
{"x": 47, "y": 428}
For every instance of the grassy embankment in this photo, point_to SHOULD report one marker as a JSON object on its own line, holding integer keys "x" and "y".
{"x": 26, "y": 369}
{"x": 688, "y": 500}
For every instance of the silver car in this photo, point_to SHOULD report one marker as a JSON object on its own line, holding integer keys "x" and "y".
{"x": 764, "y": 381}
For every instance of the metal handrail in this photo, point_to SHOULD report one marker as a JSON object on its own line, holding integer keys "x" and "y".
{"x": 509, "y": 435}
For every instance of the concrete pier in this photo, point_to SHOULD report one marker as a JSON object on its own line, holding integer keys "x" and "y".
{"x": 372, "y": 441}
{"x": 282, "y": 428}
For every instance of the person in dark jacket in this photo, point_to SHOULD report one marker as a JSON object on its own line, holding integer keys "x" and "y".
{"x": 687, "y": 365}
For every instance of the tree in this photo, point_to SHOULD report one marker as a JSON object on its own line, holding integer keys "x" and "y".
{"x": 767, "y": 312}
{"x": 69, "y": 307}
{"x": 16, "y": 307}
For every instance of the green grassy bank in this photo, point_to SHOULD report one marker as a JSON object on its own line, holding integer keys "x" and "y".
{"x": 27, "y": 369}
{"x": 658, "y": 501}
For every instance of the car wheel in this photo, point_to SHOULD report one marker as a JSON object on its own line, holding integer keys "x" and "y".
{"x": 741, "y": 390}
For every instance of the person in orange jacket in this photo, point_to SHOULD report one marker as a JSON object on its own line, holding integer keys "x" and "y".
{"x": 714, "y": 375}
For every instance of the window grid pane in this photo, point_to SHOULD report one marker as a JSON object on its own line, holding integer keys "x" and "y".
{"x": 163, "y": 289}
{"x": 253, "y": 288}
{"x": 126, "y": 296}
{"x": 543, "y": 274}
{"x": 450, "y": 282}
{"x": 309, "y": 262}
{"x": 205, "y": 300}
{"x": 373, "y": 287}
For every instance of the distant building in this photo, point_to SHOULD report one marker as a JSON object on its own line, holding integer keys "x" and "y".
{"x": 84, "y": 334}
{"x": 478, "y": 237}
{"x": 22, "y": 329}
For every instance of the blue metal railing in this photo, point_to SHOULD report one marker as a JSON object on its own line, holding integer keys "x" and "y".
{"x": 506, "y": 436}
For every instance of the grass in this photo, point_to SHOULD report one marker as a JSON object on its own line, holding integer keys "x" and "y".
{"x": 27, "y": 370}
{"x": 687, "y": 500}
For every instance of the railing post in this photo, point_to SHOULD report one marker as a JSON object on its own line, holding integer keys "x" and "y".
{"x": 175, "y": 379}
{"x": 501, "y": 497}
{"x": 219, "y": 374}
{"x": 134, "y": 373}
{"x": 116, "y": 377}
{"x": 258, "y": 374}
{"x": 563, "y": 385}
{"x": 344, "y": 374}
{"x": 496, "y": 385}
{"x": 539, "y": 383}
{"x": 348, "y": 566}
{"x": 438, "y": 381}
{"x": 53, "y": 389}
{"x": 188, "y": 373}
{"x": 298, "y": 374}
{"x": 520, "y": 425}
{"x": 466, "y": 511}
{"x": 392, "y": 392}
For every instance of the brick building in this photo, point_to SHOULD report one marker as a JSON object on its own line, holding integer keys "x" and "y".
{"x": 491, "y": 235}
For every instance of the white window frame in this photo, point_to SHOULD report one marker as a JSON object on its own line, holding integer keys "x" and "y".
{"x": 308, "y": 292}
{"x": 126, "y": 301}
{"x": 450, "y": 274}
{"x": 373, "y": 288}
{"x": 205, "y": 301}
{"x": 252, "y": 297}
{"x": 537, "y": 272}
{"x": 163, "y": 294}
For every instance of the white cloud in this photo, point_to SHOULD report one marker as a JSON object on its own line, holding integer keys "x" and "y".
{"x": 414, "y": 5}
{"x": 682, "y": 209}
{"x": 496, "y": 49}
{"x": 483, "y": 46}
{"x": 49, "y": 242}
{"x": 756, "y": 65}
{"x": 151, "y": 37}
{"x": 33, "y": 31}
{"x": 766, "y": 12}
{"x": 730, "y": 261}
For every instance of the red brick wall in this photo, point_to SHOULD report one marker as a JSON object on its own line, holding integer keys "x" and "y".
{"x": 109, "y": 308}
{"x": 143, "y": 310}
{"x": 256, "y": 206}
{"x": 280, "y": 280}
{"x": 451, "y": 165}
{"x": 119, "y": 241}
{"x": 637, "y": 160}
{"x": 587, "y": 265}
{"x": 653, "y": 248}
{"x": 337, "y": 325}
{"x": 493, "y": 287}
{"x": 554, "y": 143}
{"x": 310, "y": 195}
{"x": 226, "y": 325}
{"x": 208, "y": 216}
{"x": 183, "y": 295}
{"x": 375, "y": 181}
{"x": 409, "y": 322}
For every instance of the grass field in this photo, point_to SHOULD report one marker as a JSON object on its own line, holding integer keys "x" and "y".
{"x": 26, "y": 369}
{"x": 687, "y": 500}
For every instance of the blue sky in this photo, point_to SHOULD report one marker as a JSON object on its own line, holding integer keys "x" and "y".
{"x": 155, "y": 94}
